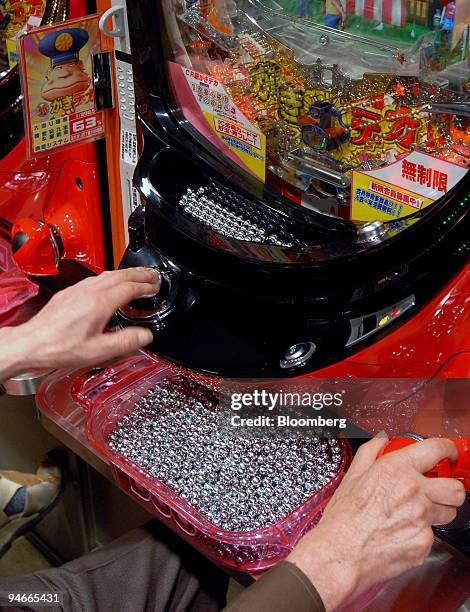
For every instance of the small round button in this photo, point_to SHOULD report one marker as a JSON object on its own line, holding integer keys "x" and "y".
{"x": 297, "y": 355}
{"x": 372, "y": 232}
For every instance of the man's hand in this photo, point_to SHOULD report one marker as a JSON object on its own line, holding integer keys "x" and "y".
{"x": 69, "y": 330}
{"x": 378, "y": 523}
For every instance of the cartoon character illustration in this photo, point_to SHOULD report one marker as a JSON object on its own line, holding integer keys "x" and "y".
{"x": 67, "y": 75}
{"x": 42, "y": 109}
{"x": 448, "y": 17}
{"x": 18, "y": 13}
{"x": 323, "y": 127}
{"x": 304, "y": 8}
{"x": 335, "y": 14}
{"x": 5, "y": 16}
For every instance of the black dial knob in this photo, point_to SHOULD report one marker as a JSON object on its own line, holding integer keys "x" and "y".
{"x": 154, "y": 310}
{"x": 153, "y": 301}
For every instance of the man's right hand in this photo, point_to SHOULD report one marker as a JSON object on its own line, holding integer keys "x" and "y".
{"x": 378, "y": 523}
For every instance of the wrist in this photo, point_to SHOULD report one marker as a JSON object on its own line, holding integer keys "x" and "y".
{"x": 13, "y": 352}
{"x": 333, "y": 575}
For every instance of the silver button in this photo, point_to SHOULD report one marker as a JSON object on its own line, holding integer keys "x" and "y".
{"x": 372, "y": 232}
{"x": 297, "y": 355}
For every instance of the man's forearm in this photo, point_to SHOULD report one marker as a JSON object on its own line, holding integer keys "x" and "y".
{"x": 14, "y": 357}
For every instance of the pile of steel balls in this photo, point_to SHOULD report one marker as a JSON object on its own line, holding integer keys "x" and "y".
{"x": 239, "y": 484}
{"x": 232, "y": 215}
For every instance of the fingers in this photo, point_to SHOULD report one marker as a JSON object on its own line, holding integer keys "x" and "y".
{"x": 367, "y": 454}
{"x": 126, "y": 292}
{"x": 114, "y": 344}
{"x": 136, "y": 275}
{"x": 423, "y": 456}
{"x": 421, "y": 511}
{"x": 443, "y": 515}
{"x": 445, "y": 491}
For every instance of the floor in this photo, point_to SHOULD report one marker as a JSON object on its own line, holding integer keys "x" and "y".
{"x": 23, "y": 443}
{"x": 22, "y": 558}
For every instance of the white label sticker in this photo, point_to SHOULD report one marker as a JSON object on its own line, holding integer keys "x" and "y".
{"x": 135, "y": 197}
{"x": 128, "y": 147}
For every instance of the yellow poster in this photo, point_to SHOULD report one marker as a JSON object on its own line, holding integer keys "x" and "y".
{"x": 373, "y": 199}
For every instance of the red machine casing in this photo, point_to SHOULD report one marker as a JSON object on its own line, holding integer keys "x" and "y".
{"x": 53, "y": 198}
{"x": 433, "y": 343}
{"x": 54, "y": 203}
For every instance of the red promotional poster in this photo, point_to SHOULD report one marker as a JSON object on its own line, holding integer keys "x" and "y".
{"x": 57, "y": 71}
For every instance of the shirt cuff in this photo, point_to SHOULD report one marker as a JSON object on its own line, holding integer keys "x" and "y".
{"x": 283, "y": 589}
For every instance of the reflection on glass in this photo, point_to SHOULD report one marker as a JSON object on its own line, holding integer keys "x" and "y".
{"x": 362, "y": 103}
{"x": 14, "y": 15}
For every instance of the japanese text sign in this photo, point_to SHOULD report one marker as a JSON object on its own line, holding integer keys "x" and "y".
{"x": 234, "y": 131}
{"x": 402, "y": 188}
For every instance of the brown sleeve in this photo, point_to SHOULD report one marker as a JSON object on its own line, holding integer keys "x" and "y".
{"x": 284, "y": 588}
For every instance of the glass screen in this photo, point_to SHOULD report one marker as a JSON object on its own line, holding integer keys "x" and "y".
{"x": 353, "y": 108}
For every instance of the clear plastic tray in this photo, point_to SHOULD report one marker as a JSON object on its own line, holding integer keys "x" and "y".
{"x": 111, "y": 395}
{"x": 59, "y": 397}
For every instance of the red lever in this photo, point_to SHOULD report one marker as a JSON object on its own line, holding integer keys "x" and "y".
{"x": 460, "y": 468}
{"x": 34, "y": 246}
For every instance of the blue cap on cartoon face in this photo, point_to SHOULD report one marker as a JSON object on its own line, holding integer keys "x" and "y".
{"x": 63, "y": 45}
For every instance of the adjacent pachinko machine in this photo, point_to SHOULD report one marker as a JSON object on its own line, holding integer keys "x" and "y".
{"x": 304, "y": 187}
{"x": 50, "y": 206}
